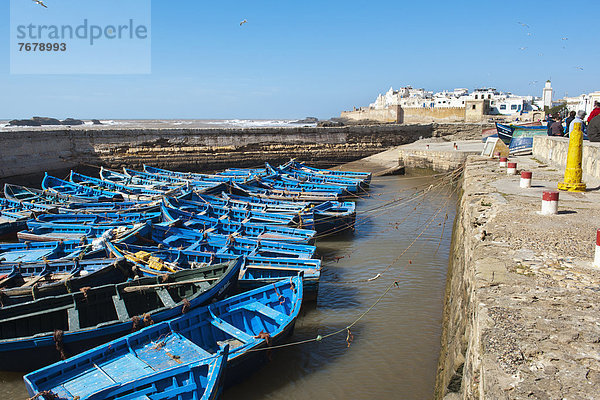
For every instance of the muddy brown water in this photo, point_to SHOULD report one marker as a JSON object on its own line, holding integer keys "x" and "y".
{"x": 395, "y": 347}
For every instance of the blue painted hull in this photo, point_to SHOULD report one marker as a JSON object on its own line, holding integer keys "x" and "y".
{"x": 239, "y": 324}
{"x": 28, "y": 353}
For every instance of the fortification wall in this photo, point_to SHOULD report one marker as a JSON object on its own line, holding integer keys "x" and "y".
{"x": 416, "y": 115}
{"x": 388, "y": 115}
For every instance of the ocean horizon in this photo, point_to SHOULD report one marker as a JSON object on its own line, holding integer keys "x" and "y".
{"x": 179, "y": 123}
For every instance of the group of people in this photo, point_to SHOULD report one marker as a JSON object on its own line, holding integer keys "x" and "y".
{"x": 592, "y": 128}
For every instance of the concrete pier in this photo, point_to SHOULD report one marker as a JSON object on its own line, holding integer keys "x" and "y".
{"x": 438, "y": 155}
{"x": 522, "y": 310}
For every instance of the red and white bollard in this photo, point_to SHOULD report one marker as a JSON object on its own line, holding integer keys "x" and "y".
{"x": 597, "y": 257}
{"x": 427, "y": 146}
{"x": 526, "y": 179}
{"x": 550, "y": 203}
{"x": 511, "y": 168}
{"x": 503, "y": 162}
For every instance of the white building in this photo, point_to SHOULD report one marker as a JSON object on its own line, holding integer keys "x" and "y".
{"x": 500, "y": 103}
{"x": 547, "y": 95}
{"x": 582, "y": 102}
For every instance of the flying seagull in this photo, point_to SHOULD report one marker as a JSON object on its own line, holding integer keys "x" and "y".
{"x": 523, "y": 48}
{"x": 565, "y": 38}
{"x": 523, "y": 25}
{"x": 581, "y": 68}
{"x": 243, "y": 22}
{"x": 40, "y": 2}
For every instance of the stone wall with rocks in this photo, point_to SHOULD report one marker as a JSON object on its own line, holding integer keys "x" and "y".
{"x": 32, "y": 150}
{"x": 554, "y": 150}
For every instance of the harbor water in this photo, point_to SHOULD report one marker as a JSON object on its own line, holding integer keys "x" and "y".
{"x": 392, "y": 351}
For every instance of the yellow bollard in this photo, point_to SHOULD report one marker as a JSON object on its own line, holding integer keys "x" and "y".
{"x": 573, "y": 172}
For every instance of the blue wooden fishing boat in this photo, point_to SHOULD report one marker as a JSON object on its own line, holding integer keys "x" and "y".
{"x": 125, "y": 379}
{"x": 245, "y": 201}
{"x": 244, "y": 324}
{"x": 36, "y": 251}
{"x": 51, "y": 232}
{"x": 171, "y": 236}
{"x": 26, "y": 282}
{"x": 244, "y": 229}
{"x": 279, "y": 182}
{"x": 191, "y": 176}
{"x": 255, "y": 271}
{"x": 504, "y": 132}
{"x": 128, "y": 192}
{"x": 78, "y": 191}
{"x": 289, "y": 169}
{"x": 521, "y": 142}
{"x": 13, "y": 218}
{"x": 10, "y": 225}
{"x": 295, "y": 176}
{"x": 103, "y": 207}
{"x": 137, "y": 182}
{"x": 28, "y": 331}
{"x": 171, "y": 179}
{"x": 333, "y": 217}
{"x": 364, "y": 176}
{"x": 101, "y": 218}
{"x": 233, "y": 214}
{"x": 351, "y": 185}
{"x": 262, "y": 190}
{"x": 40, "y": 198}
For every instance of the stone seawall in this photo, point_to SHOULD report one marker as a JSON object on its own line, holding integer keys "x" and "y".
{"x": 522, "y": 303}
{"x": 31, "y": 151}
{"x": 553, "y": 150}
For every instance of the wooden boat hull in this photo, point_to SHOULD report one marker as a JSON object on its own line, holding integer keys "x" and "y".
{"x": 116, "y": 271}
{"x": 37, "y": 349}
{"x": 244, "y": 325}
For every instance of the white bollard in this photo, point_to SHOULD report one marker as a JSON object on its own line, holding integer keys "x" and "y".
{"x": 503, "y": 162}
{"x": 526, "y": 179}
{"x": 597, "y": 257}
{"x": 550, "y": 203}
{"x": 511, "y": 168}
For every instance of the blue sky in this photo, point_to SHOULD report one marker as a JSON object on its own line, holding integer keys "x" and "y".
{"x": 316, "y": 58}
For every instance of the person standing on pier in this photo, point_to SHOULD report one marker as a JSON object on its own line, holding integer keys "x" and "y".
{"x": 593, "y": 131}
{"x": 569, "y": 119}
{"x": 594, "y": 112}
{"x": 556, "y": 129}
{"x": 578, "y": 119}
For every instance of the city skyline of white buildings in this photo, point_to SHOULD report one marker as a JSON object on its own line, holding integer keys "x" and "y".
{"x": 500, "y": 103}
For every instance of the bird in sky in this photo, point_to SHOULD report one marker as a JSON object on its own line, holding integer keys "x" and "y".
{"x": 529, "y": 33}
{"x": 523, "y": 25}
{"x": 40, "y": 2}
{"x": 523, "y": 48}
{"x": 580, "y": 68}
{"x": 243, "y": 22}
{"x": 541, "y": 54}
{"x": 565, "y": 38}
{"x": 533, "y": 82}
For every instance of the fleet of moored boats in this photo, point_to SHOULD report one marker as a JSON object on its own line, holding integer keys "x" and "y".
{"x": 158, "y": 284}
